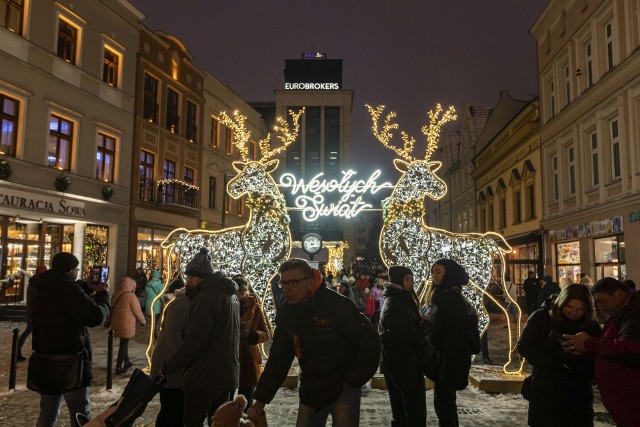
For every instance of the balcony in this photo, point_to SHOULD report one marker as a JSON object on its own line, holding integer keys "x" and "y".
{"x": 177, "y": 193}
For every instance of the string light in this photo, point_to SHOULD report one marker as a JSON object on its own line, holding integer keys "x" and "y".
{"x": 255, "y": 249}
{"x": 187, "y": 186}
{"x": 406, "y": 240}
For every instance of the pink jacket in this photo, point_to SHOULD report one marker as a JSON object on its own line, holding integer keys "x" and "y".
{"x": 126, "y": 310}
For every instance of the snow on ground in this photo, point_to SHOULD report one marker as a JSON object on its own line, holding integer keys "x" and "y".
{"x": 475, "y": 407}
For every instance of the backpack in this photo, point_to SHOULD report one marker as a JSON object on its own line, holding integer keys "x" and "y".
{"x": 473, "y": 334}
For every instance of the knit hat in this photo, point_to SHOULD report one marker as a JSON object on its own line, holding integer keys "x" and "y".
{"x": 397, "y": 273}
{"x": 454, "y": 274}
{"x": 200, "y": 265}
{"x": 64, "y": 262}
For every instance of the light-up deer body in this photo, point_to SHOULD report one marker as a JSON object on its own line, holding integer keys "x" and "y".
{"x": 259, "y": 247}
{"x": 406, "y": 240}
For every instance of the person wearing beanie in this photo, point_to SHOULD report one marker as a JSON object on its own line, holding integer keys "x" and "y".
{"x": 449, "y": 335}
{"x": 336, "y": 346}
{"x": 616, "y": 354}
{"x": 208, "y": 354}
{"x": 403, "y": 332}
{"x": 62, "y": 311}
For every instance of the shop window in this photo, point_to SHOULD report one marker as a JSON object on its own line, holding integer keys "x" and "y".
{"x": 609, "y": 256}
{"x": 150, "y": 99}
{"x": 9, "y": 116}
{"x": 149, "y": 253}
{"x": 60, "y": 143}
{"x": 68, "y": 36}
{"x": 215, "y": 131}
{"x": 568, "y": 261}
{"x": 105, "y": 157}
{"x": 523, "y": 259}
{"x": 11, "y": 13}
{"x": 111, "y": 61}
{"x": 96, "y": 245}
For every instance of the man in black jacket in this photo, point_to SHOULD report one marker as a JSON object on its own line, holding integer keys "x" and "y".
{"x": 338, "y": 350}
{"x": 61, "y": 312}
{"x": 209, "y": 352}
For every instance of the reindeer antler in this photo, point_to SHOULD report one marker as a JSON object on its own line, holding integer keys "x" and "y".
{"x": 385, "y": 135}
{"x": 241, "y": 134}
{"x": 432, "y": 132}
{"x": 287, "y": 137}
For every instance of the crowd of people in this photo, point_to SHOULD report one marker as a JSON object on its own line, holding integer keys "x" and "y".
{"x": 341, "y": 330}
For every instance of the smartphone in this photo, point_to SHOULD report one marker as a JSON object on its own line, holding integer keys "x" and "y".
{"x": 556, "y": 336}
{"x": 100, "y": 274}
{"x": 430, "y": 309}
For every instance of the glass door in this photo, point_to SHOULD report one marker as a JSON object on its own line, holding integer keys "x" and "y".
{"x": 12, "y": 284}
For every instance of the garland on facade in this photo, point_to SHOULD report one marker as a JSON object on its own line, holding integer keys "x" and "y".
{"x": 414, "y": 209}
{"x": 62, "y": 182}
{"x": 269, "y": 205}
{"x": 5, "y": 170}
{"x": 186, "y": 186}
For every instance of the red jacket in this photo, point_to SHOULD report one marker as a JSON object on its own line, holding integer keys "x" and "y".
{"x": 617, "y": 363}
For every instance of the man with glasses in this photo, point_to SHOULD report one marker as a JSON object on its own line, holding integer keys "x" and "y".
{"x": 338, "y": 350}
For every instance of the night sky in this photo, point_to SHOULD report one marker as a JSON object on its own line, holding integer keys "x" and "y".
{"x": 408, "y": 55}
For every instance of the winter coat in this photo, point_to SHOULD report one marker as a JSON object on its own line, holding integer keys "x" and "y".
{"x": 172, "y": 332}
{"x": 449, "y": 335}
{"x": 252, "y": 318}
{"x": 561, "y": 391}
{"x": 617, "y": 363}
{"x": 401, "y": 328}
{"x": 152, "y": 290}
{"x": 61, "y": 313}
{"x": 209, "y": 352}
{"x": 126, "y": 310}
{"x": 369, "y": 304}
{"x": 334, "y": 344}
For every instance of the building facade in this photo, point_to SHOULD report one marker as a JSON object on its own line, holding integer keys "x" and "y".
{"x": 588, "y": 61}
{"x": 507, "y": 177}
{"x": 323, "y": 145}
{"x": 167, "y": 147}
{"x": 67, "y": 89}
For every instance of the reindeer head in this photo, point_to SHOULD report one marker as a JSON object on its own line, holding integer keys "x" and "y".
{"x": 419, "y": 177}
{"x": 254, "y": 175}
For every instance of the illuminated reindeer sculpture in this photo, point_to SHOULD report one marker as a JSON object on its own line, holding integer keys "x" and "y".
{"x": 406, "y": 240}
{"x": 257, "y": 248}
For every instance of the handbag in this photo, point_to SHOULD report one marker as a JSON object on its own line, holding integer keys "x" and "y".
{"x": 55, "y": 373}
{"x": 425, "y": 355}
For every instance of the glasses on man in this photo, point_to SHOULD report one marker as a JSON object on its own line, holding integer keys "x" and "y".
{"x": 292, "y": 283}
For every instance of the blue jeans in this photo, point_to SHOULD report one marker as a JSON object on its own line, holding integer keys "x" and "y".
{"x": 345, "y": 411}
{"x": 77, "y": 402}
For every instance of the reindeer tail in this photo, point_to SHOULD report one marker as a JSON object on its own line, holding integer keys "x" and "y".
{"x": 501, "y": 245}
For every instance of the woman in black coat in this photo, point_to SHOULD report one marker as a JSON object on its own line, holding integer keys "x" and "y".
{"x": 401, "y": 330}
{"x": 560, "y": 392}
{"x": 450, "y": 336}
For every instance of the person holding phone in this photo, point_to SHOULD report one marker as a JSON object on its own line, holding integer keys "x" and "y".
{"x": 560, "y": 392}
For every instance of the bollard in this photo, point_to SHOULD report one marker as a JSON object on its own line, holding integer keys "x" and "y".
{"x": 110, "y": 361}
{"x": 14, "y": 360}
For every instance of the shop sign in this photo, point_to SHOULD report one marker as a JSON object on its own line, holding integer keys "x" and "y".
{"x": 40, "y": 203}
{"x": 310, "y": 196}
{"x": 312, "y": 86}
{"x": 598, "y": 227}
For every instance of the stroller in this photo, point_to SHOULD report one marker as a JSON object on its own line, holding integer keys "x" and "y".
{"x": 139, "y": 391}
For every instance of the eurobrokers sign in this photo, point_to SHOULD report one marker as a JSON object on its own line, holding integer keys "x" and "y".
{"x": 312, "y": 86}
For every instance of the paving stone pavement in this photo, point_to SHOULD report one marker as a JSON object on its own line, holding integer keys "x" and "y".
{"x": 475, "y": 407}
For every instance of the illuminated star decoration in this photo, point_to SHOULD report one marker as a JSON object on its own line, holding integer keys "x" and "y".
{"x": 258, "y": 248}
{"x": 406, "y": 240}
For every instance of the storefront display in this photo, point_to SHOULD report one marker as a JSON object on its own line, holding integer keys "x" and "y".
{"x": 568, "y": 260}
{"x": 609, "y": 256}
{"x": 149, "y": 253}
